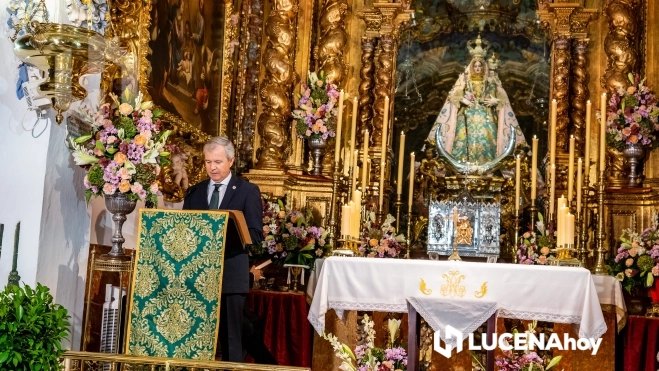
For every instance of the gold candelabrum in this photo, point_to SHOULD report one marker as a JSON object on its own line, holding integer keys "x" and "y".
{"x": 513, "y": 253}
{"x": 600, "y": 267}
{"x": 455, "y": 255}
{"x": 64, "y": 53}
{"x": 533, "y": 210}
{"x": 398, "y": 205}
{"x": 408, "y": 236}
{"x": 333, "y": 212}
{"x": 582, "y": 217}
{"x": 348, "y": 245}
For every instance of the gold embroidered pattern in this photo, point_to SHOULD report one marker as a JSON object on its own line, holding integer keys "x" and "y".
{"x": 452, "y": 287}
{"x": 176, "y": 292}
{"x": 482, "y": 292}
{"x": 424, "y": 289}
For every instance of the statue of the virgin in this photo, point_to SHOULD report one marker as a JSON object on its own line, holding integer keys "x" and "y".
{"x": 476, "y": 124}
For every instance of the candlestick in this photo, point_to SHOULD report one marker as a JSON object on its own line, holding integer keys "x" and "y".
{"x": 397, "y": 205}
{"x": 369, "y": 169}
{"x": 401, "y": 154}
{"x": 385, "y": 129}
{"x": 364, "y": 158}
{"x": 570, "y": 171}
{"x": 333, "y": 230}
{"x": 517, "y": 188}
{"x": 339, "y": 122}
{"x": 552, "y": 130}
{"x": 353, "y": 126}
{"x": 14, "y": 279}
{"x": 579, "y": 165}
{"x": 411, "y": 187}
{"x": 552, "y": 189}
{"x": 355, "y": 171}
{"x": 534, "y": 168}
{"x": 586, "y": 155}
{"x": 383, "y": 165}
{"x": 602, "y": 143}
{"x": 600, "y": 266}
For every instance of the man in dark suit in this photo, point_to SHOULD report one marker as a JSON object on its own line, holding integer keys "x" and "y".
{"x": 225, "y": 190}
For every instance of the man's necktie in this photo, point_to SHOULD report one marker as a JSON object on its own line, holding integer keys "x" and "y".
{"x": 215, "y": 198}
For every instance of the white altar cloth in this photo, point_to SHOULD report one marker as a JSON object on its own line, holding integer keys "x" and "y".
{"x": 553, "y": 294}
{"x": 609, "y": 292}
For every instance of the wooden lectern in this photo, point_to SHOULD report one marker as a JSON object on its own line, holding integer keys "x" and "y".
{"x": 238, "y": 225}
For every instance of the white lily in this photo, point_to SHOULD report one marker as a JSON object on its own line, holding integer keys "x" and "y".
{"x": 138, "y": 101}
{"x": 152, "y": 154}
{"x": 80, "y": 156}
{"x": 393, "y": 325}
{"x": 130, "y": 167}
{"x": 120, "y": 134}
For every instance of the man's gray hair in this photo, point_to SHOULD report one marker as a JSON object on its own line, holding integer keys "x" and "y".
{"x": 214, "y": 142}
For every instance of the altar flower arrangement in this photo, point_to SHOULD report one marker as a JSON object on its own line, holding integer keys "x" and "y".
{"x": 637, "y": 260}
{"x": 317, "y": 108}
{"x": 289, "y": 237}
{"x": 632, "y": 116}
{"x": 535, "y": 248}
{"x": 380, "y": 241}
{"x": 124, "y": 151}
{"x": 524, "y": 360}
{"x": 366, "y": 357}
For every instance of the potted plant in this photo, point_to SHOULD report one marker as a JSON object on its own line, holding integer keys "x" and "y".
{"x": 32, "y": 328}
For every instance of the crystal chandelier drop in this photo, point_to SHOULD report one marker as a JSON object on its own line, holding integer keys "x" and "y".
{"x": 406, "y": 75}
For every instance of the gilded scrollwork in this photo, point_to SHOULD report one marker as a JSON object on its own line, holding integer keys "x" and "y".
{"x": 275, "y": 90}
{"x": 561, "y": 59}
{"x": 366, "y": 73}
{"x": 620, "y": 44}
{"x": 384, "y": 73}
{"x": 579, "y": 84}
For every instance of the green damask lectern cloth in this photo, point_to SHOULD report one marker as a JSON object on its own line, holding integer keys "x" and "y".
{"x": 175, "y": 304}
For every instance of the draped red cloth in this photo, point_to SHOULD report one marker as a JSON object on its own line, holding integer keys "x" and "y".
{"x": 288, "y": 334}
{"x": 642, "y": 344}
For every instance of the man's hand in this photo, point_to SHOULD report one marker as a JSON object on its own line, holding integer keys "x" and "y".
{"x": 256, "y": 272}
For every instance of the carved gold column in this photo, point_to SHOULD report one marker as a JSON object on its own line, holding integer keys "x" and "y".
{"x": 560, "y": 90}
{"x": 579, "y": 83}
{"x": 366, "y": 73}
{"x": 621, "y": 43}
{"x": 331, "y": 50}
{"x": 384, "y": 77}
{"x": 276, "y": 85}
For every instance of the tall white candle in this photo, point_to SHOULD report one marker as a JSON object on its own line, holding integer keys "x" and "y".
{"x": 517, "y": 185}
{"x": 569, "y": 229}
{"x": 339, "y": 124}
{"x": 353, "y": 126}
{"x": 586, "y": 154}
{"x": 411, "y": 187}
{"x": 570, "y": 171}
{"x": 345, "y": 220}
{"x": 383, "y": 165}
{"x": 579, "y": 185}
{"x": 364, "y": 158}
{"x": 552, "y": 131}
{"x": 552, "y": 188}
{"x": 385, "y": 129}
{"x": 355, "y": 171}
{"x": 401, "y": 151}
{"x": 534, "y": 168}
{"x": 602, "y": 143}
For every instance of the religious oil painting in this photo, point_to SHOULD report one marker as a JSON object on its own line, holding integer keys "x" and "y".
{"x": 472, "y": 86}
{"x": 187, "y": 40}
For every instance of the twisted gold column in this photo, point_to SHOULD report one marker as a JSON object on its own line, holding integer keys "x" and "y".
{"x": 366, "y": 73}
{"x": 579, "y": 87}
{"x": 620, "y": 43}
{"x": 561, "y": 79}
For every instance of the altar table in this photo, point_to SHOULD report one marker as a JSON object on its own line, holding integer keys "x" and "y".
{"x": 287, "y": 333}
{"x": 553, "y": 294}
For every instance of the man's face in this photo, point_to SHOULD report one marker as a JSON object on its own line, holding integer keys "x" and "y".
{"x": 218, "y": 166}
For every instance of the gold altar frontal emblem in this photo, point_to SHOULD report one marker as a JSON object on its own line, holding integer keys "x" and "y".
{"x": 464, "y": 232}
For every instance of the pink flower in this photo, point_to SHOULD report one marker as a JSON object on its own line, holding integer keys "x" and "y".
{"x": 111, "y": 139}
{"x": 146, "y": 134}
{"x": 629, "y": 262}
{"x": 98, "y": 152}
{"x": 123, "y": 173}
{"x": 307, "y": 133}
{"x": 526, "y": 235}
{"x": 633, "y": 251}
{"x": 542, "y": 259}
{"x": 136, "y": 187}
{"x": 107, "y": 123}
{"x": 319, "y": 83}
{"x": 109, "y": 189}
{"x": 629, "y": 272}
{"x": 85, "y": 181}
{"x": 655, "y": 270}
{"x": 323, "y": 129}
{"x": 631, "y": 90}
{"x": 147, "y": 113}
{"x": 626, "y": 132}
{"x": 125, "y": 109}
{"x": 544, "y": 250}
{"x": 319, "y": 252}
{"x": 321, "y": 242}
{"x": 154, "y": 188}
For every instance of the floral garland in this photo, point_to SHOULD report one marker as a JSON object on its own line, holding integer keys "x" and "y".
{"x": 316, "y": 111}
{"x": 289, "y": 236}
{"x": 124, "y": 151}
{"x": 366, "y": 356}
{"x": 632, "y": 116}
{"x": 381, "y": 241}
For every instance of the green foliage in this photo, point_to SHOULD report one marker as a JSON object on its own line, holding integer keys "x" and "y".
{"x": 126, "y": 123}
{"x": 95, "y": 176}
{"x": 31, "y": 329}
{"x": 144, "y": 174}
{"x": 645, "y": 263}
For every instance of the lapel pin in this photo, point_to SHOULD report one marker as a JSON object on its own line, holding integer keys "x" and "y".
{"x": 234, "y": 187}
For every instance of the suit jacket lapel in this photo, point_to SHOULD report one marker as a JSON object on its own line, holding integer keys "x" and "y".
{"x": 231, "y": 189}
{"x": 204, "y": 192}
